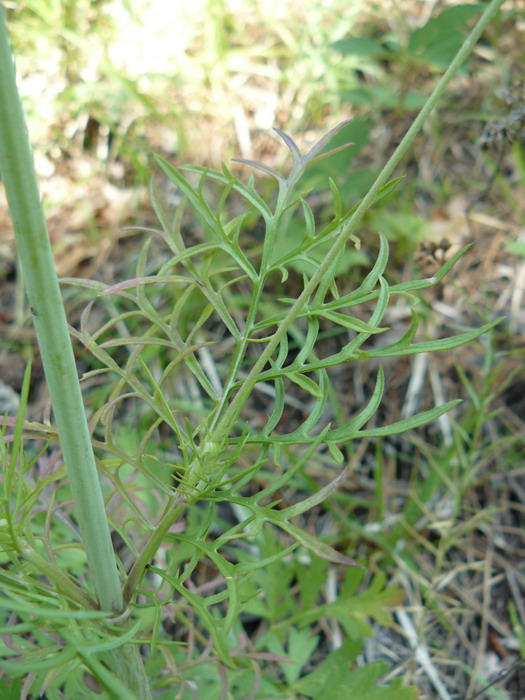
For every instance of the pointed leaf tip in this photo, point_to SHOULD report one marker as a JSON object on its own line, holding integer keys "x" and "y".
{"x": 296, "y": 153}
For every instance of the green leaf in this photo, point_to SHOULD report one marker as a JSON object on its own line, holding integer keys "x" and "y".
{"x": 332, "y": 151}
{"x": 278, "y": 407}
{"x": 298, "y": 464}
{"x": 110, "y": 642}
{"x": 334, "y": 679}
{"x": 312, "y": 154}
{"x": 54, "y": 659}
{"x": 292, "y": 146}
{"x": 401, "y": 349}
{"x": 305, "y": 383}
{"x": 315, "y": 499}
{"x": 363, "y": 683}
{"x": 194, "y": 197}
{"x": 18, "y": 604}
{"x": 309, "y": 219}
{"x": 372, "y": 278}
{"x": 212, "y": 624}
{"x": 441, "y": 37}
{"x": 335, "y": 668}
{"x": 301, "y": 645}
{"x": 247, "y": 567}
{"x": 380, "y": 96}
{"x": 409, "y": 423}
{"x": 337, "y": 435}
{"x": 383, "y": 192}
{"x": 332, "y": 674}
{"x": 355, "y": 610}
{"x": 10, "y": 689}
{"x": 249, "y": 193}
{"x": 355, "y": 132}
{"x": 336, "y": 197}
{"x": 353, "y": 324}
{"x": 335, "y": 453}
{"x": 371, "y": 603}
{"x": 313, "y": 544}
{"x": 358, "y": 46}
{"x": 260, "y": 166}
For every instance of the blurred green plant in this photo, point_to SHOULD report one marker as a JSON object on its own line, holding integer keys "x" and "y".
{"x": 431, "y": 47}
{"x": 89, "y": 89}
{"x": 205, "y": 444}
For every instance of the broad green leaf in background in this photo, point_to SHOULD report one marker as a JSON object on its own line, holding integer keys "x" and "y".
{"x": 441, "y": 37}
{"x": 10, "y": 688}
{"x": 359, "y": 46}
{"x": 335, "y": 679}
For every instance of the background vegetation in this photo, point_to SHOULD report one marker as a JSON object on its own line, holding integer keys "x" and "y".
{"x": 435, "y": 516}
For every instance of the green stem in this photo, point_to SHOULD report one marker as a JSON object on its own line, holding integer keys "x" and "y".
{"x": 233, "y": 411}
{"x": 43, "y": 291}
{"x": 172, "y": 511}
{"x": 239, "y": 355}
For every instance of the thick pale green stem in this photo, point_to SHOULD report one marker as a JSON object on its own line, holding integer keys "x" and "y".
{"x": 43, "y": 292}
{"x": 34, "y": 250}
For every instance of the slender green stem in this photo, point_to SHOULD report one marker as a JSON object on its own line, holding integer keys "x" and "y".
{"x": 240, "y": 351}
{"x": 172, "y": 511}
{"x": 234, "y": 409}
{"x": 43, "y": 291}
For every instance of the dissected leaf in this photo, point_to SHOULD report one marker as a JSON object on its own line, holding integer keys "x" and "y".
{"x": 335, "y": 679}
{"x": 301, "y": 645}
